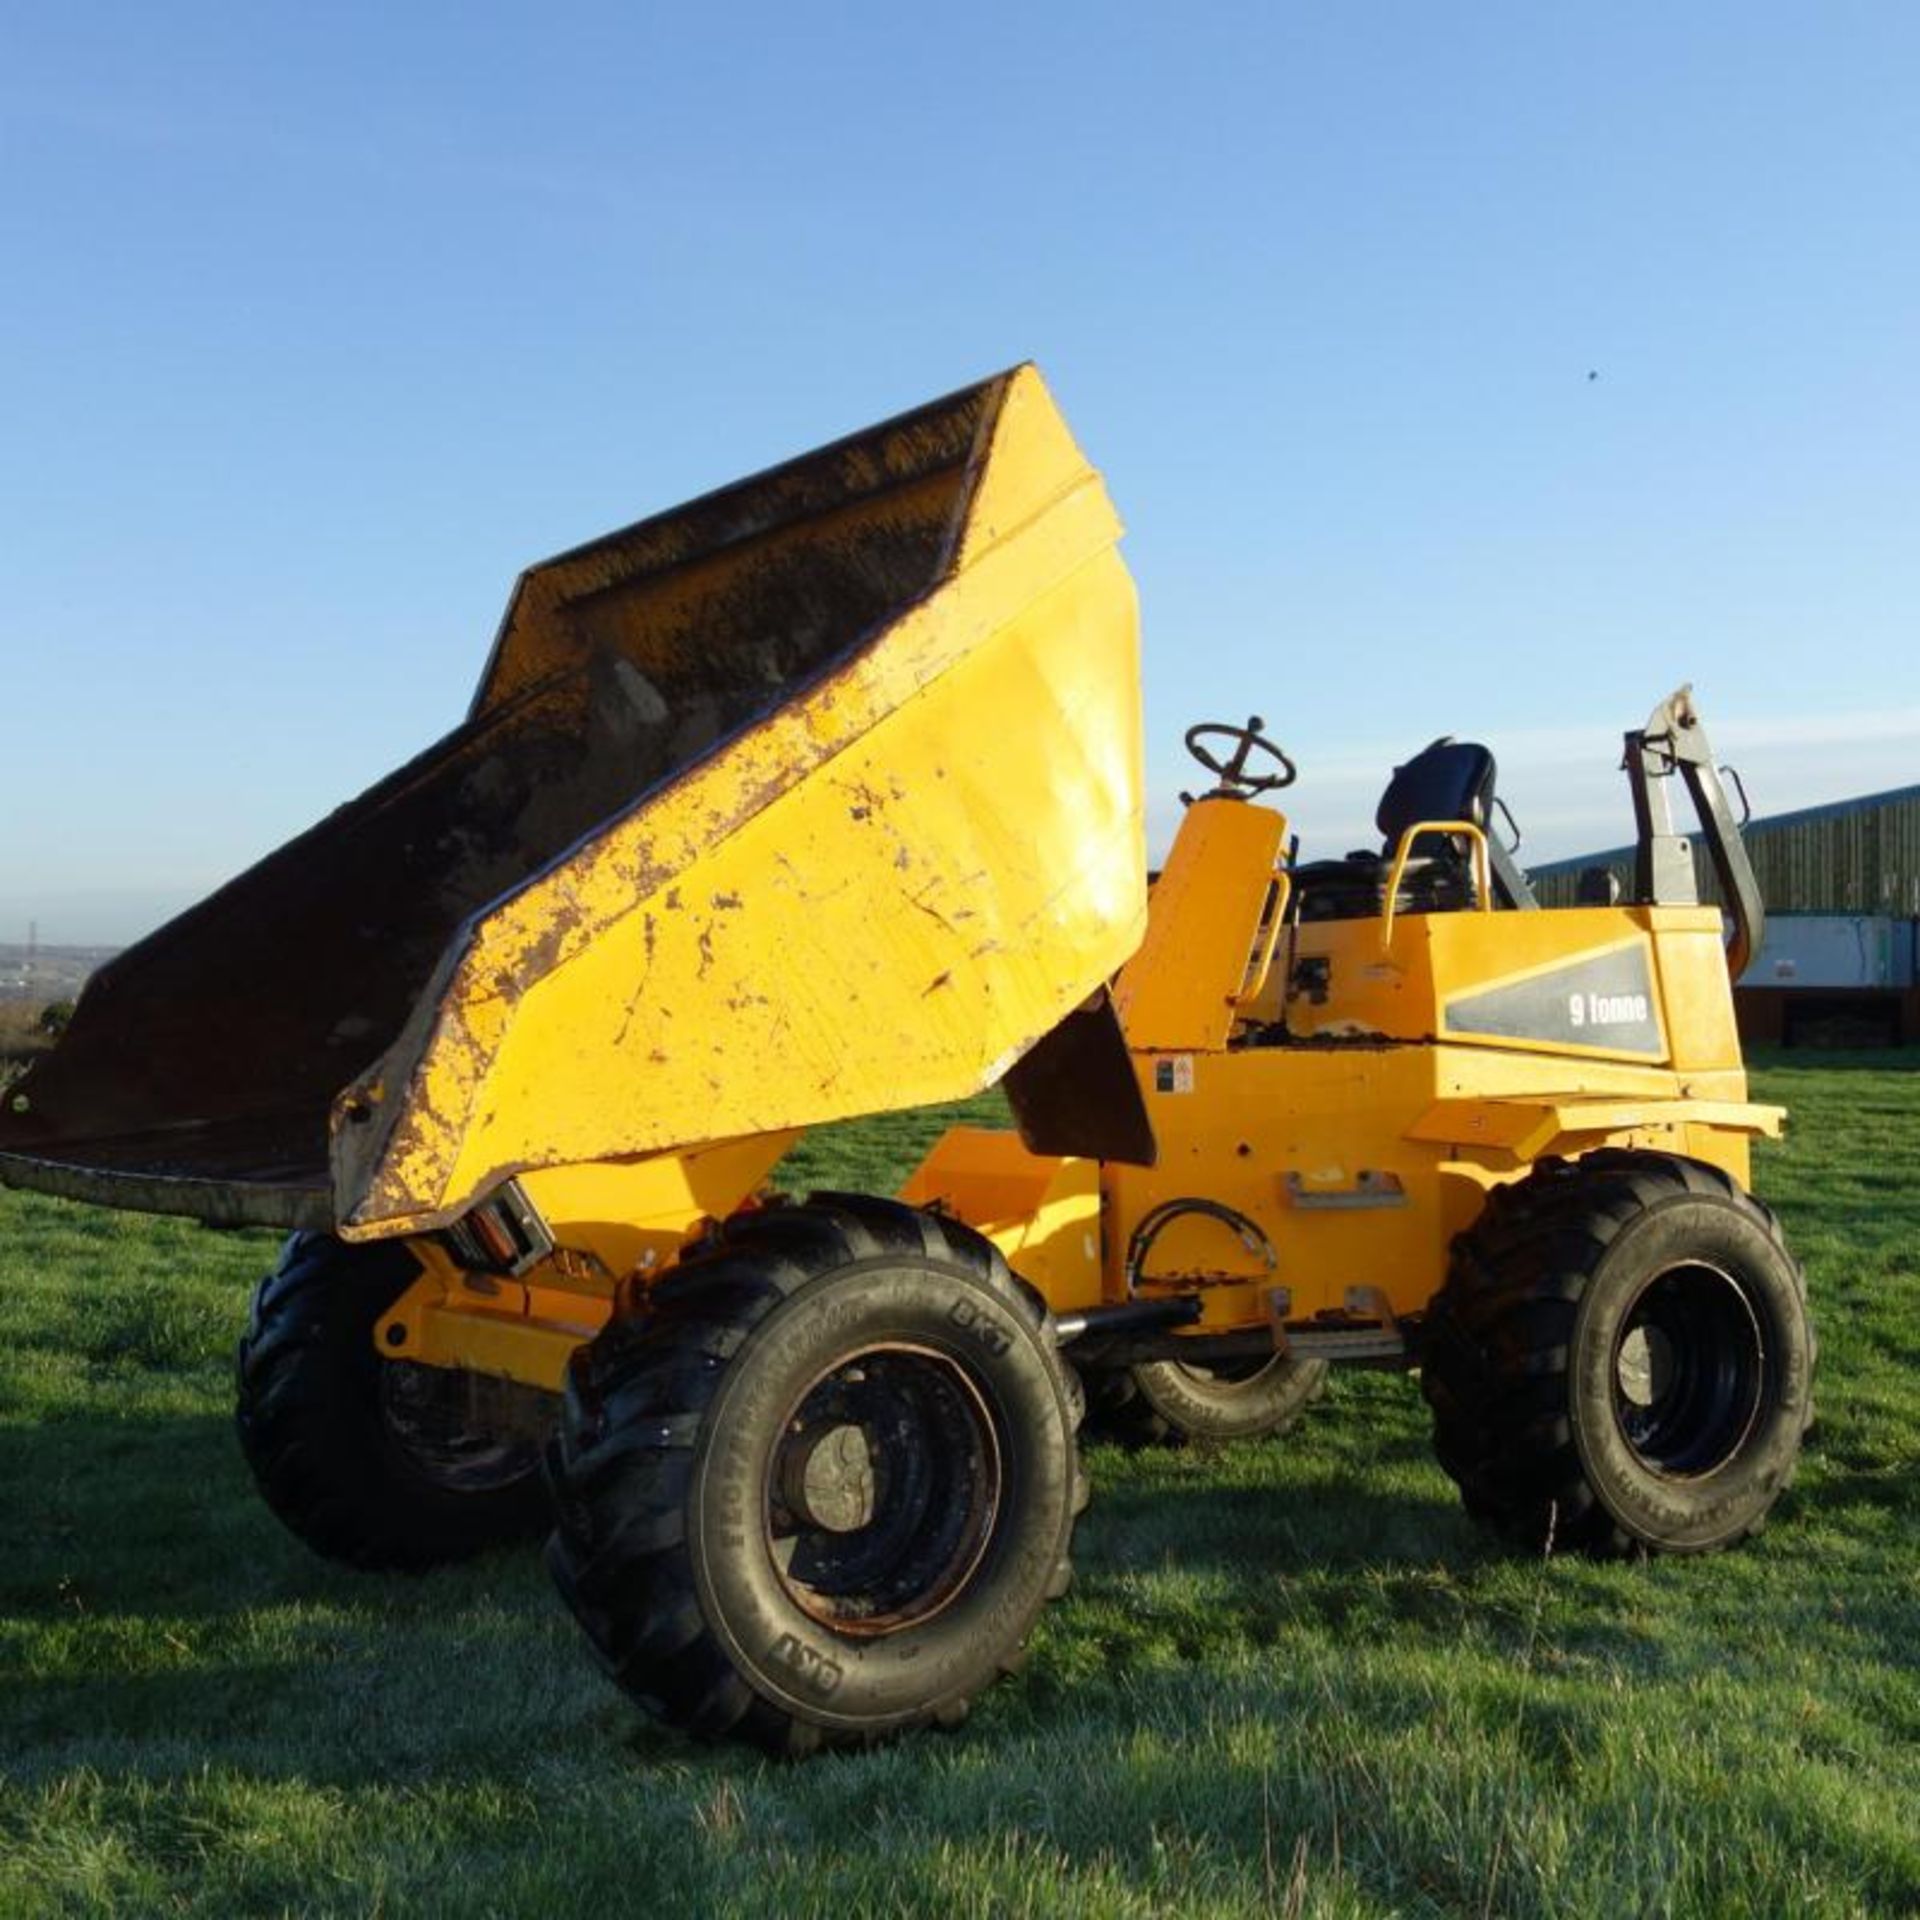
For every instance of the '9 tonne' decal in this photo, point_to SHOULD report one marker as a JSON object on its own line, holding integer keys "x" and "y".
{"x": 1602, "y": 1001}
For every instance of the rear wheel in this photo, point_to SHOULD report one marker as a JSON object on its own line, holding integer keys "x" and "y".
{"x": 376, "y": 1462}
{"x": 1621, "y": 1359}
{"x": 819, "y": 1490}
{"x": 1167, "y": 1402}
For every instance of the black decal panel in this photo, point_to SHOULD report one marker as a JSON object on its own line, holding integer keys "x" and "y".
{"x": 1606, "y": 1001}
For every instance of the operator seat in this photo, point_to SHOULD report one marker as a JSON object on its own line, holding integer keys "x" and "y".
{"x": 1450, "y": 780}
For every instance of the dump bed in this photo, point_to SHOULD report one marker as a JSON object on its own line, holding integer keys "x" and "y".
{"x": 815, "y": 797}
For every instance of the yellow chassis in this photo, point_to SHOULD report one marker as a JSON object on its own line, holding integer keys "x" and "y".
{"x": 1326, "y": 1083}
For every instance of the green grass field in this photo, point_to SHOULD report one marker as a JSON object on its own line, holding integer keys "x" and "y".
{"x": 1292, "y": 1678}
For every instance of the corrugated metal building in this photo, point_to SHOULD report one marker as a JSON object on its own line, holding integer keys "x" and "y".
{"x": 1854, "y": 856}
{"x": 1842, "y": 890}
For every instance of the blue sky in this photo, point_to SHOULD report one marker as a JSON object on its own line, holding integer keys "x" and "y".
{"x": 317, "y": 323}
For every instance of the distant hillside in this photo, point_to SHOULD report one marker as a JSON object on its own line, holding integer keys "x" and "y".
{"x": 51, "y": 973}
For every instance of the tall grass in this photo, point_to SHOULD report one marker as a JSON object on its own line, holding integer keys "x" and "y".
{"x": 1291, "y": 1678}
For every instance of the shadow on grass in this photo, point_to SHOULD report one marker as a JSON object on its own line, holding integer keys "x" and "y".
{"x": 156, "y": 1615}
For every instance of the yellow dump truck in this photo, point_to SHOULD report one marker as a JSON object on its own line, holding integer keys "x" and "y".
{"x": 822, "y": 796}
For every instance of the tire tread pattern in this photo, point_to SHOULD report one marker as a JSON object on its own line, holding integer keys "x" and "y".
{"x": 635, "y": 1400}
{"x": 1498, "y": 1341}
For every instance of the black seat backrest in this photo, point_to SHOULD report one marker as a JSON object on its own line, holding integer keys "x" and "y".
{"x": 1450, "y": 780}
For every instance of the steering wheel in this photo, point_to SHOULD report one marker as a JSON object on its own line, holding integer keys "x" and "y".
{"x": 1247, "y": 741}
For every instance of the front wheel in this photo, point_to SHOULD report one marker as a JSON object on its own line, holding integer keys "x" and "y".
{"x": 819, "y": 1490}
{"x": 1621, "y": 1359}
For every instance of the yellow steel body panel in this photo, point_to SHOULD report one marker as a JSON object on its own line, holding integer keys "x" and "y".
{"x": 1283, "y": 1137}
{"x": 1042, "y": 1213}
{"x": 1689, "y": 952}
{"x": 1184, "y": 988}
{"x": 627, "y": 1217}
{"x": 1525, "y": 1130}
{"x": 877, "y": 898}
{"x": 1329, "y": 1152}
{"x": 1401, "y": 990}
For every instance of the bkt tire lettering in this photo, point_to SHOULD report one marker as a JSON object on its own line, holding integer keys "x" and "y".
{"x": 812, "y": 1671}
{"x": 990, "y": 1334}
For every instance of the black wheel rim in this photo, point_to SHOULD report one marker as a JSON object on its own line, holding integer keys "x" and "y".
{"x": 456, "y": 1431}
{"x": 1689, "y": 1371}
{"x": 882, "y": 1489}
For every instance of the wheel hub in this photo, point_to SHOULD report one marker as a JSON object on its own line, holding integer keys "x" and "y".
{"x": 1646, "y": 1366}
{"x": 829, "y": 1478}
{"x": 1689, "y": 1371}
{"x": 882, "y": 1490}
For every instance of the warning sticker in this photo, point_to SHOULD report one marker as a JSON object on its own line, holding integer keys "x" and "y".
{"x": 1173, "y": 1075}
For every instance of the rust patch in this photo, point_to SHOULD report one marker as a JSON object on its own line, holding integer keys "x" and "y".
{"x": 866, "y": 802}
